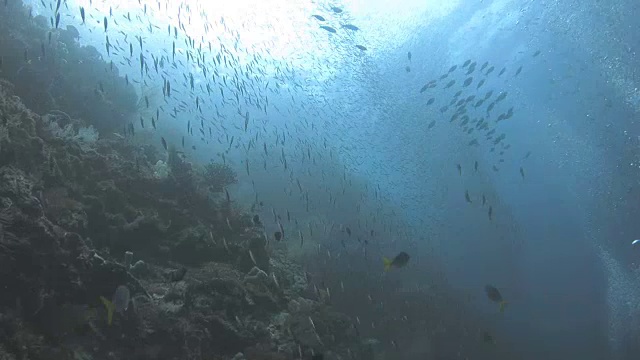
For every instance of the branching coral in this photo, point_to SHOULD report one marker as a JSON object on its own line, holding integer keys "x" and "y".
{"x": 62, "y": 126}
{"x": 218, "y": 176}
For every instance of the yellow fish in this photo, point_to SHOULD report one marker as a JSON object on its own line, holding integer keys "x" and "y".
{"x": 110, "y": 309}
{"x": 399, "y": 261}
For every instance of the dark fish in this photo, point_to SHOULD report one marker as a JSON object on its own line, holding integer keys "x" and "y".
{"x": 424, "y": 88}
{"x": 490, "y": 70}
{"x": 399, "y": 261}
{"x": 518, "y": 71}
{"x": 431, "y": 101}
{"x": 318, "y": 17}
{"x": 328, "y": 28}
{"x": 57, "y": 20}
{"x": 177, "y": 275}
{"x": 490, "y": 213}
{"x": 361, "y": 47}
{"x": 351, "y": 27}
{"x": 536, "y": 53}
{"x": 522, "y": 172}
{"x": 164, "y": 143}
{"x": 409, "y": 55}
{"x": 494, "y": 295}
{"x": 431, "y": 124}
{"x": 277, "y": 235}
{"x": 453, "y": 68}
{"x": 466, "y": 63}
{"x": 467, "y": 197}
{"x": 82, "y": 14}
{"x": 488, "y": 338}
{"x": 450, "y": 84}
{"x": 105, "y": 24}
{"x": 471, "y": 69}
{"x": 502, "y": 71}
{"x": 336, "y": 9}
{"x": 480, "y": 84}
{"x": 459, "y": 169}
{"x": 408, "y": 69}
{"x": 468, "y": 81}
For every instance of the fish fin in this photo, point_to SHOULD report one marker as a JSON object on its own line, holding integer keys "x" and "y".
{"x": 110, "y": 308}
{"x": 387, "y": 263}
{"x": 503, "y": 305}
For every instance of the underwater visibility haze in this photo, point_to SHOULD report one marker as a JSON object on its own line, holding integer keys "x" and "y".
{"x": 317, "y": 179}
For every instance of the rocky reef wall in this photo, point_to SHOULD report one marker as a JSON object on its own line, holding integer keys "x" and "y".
{"x": 82, "y": 215}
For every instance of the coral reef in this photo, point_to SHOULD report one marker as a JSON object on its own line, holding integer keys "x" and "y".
{"x": 81, "y": 215}
{"x": 218, "y": 176}
{"x": 52, "y": 72}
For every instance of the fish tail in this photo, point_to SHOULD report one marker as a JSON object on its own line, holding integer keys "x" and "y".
{"x": 503, "y": 305}
{"x": 387, "y": 263}
{"x": 110, "y": 308}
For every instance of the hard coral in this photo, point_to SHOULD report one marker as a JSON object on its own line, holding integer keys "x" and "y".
{"x": 217, "y": 177}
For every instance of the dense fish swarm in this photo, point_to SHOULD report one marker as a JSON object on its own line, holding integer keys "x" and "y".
{"x": 118, "y": 240}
